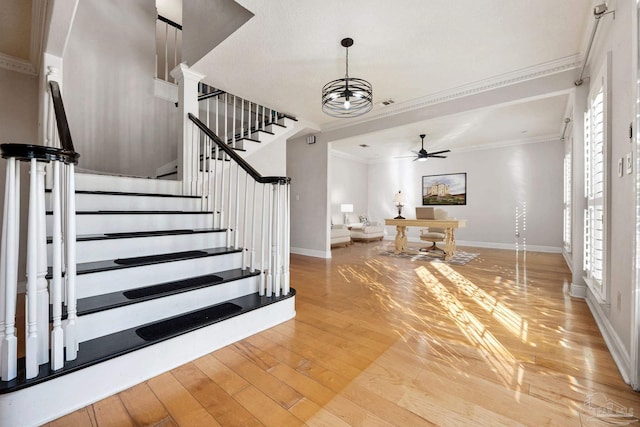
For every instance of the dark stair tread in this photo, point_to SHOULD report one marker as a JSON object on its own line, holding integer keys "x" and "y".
{"x": 126, "y": 193}
{"x": 111, "y": 300}
{"x": 117, "y": 344}
{"x": 172, "y": 327}
{"x": 106, "y": 265}
{"x": 123, "y": 212}
{"x": 135, "y": 234}
{"x": 154, "y": 259}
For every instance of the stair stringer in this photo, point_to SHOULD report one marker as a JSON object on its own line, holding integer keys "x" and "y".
{"x": 35, "y": 405}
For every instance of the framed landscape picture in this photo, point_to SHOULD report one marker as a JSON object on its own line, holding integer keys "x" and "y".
{"x": 446, "y": 189}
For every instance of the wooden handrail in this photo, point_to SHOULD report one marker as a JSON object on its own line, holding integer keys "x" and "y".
{"x": 61, "y": 118}
{"x": 233, "y": 155}
{"x": 170, "y": 22}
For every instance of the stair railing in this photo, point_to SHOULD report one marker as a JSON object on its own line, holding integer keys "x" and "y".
{"x": 252, "y": 208}
{"x": 234, "y": 118}
{"x": 41, "y": 343}
{"x": 168, "y": 47}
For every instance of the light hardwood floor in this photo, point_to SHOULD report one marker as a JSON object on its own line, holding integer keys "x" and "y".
{"x": 386, "y": 341}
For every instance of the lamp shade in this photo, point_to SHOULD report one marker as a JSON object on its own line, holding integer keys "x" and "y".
{"x": 346, "y": 208}
{"x": 398, "y": 198}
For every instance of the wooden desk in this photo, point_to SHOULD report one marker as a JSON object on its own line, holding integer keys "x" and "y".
{"x": 449, "y": 226}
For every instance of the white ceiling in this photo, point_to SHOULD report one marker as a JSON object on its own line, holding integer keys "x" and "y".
{"x": 408, "y": 50}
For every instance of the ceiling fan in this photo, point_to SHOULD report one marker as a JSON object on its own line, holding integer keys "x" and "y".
{"x": 423, "y": 155}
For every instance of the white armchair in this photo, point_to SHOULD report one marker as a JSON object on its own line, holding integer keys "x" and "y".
{"x": 364, "y": 230}
{"x": 340, "y": 235}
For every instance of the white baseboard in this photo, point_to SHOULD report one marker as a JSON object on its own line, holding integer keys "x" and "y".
{"x": 311, "y": 252}
{"x": 614, "y": 343}
{"x": 577, "y": 290}
{"x": 568, "y": 260}
{"x": 490, "y": 245}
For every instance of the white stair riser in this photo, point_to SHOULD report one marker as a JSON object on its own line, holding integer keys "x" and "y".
{"x": 114, "y": 375}
{"x": 106, "y": 322}
{"x": 112, "y": 202}
{"x": 103, "y": 282}
{"x": 127, "y": 222}
{"x": 98, "y": 250}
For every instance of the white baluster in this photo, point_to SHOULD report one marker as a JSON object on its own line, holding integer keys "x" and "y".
{"x": 254, "y": 215}
{"x": 214, "y": 196}
{"x": 241, "y": 118}
{"x": 229, "y": 225}
{"x": 42, "y": 295}
{"x": 10, "y": 237}
{"x": 236, "y": 232}
{"x": 245, "y": 208}
{"x": 223, "y": 216}
{"x": 233, "y": 122}
{"x": 166, "y": 52}
{"x": 70, "y": 331}
{"x": 269, "y": 244}
{"x": 226, "y": 118}
{"x": 57, "y": 335}
{"x": 277, "y": 240}
{"x": 263, "y": 240}
{"x": 256, "y": 127}
{"x": 31, "y": 342}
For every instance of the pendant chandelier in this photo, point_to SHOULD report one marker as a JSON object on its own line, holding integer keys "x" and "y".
{"x": 348, "y": 97}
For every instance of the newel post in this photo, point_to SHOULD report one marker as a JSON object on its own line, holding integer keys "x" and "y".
{"x": 187, "y": 81}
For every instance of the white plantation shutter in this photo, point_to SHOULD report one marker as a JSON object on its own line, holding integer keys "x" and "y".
{"x": 595, "y": 175}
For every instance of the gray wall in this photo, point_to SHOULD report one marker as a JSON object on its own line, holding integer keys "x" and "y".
{"x": 117, "y": 124}
{"x": 307, "y": 167}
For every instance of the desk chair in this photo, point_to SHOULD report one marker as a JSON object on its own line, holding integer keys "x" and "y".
{"x": 434, "y": 234}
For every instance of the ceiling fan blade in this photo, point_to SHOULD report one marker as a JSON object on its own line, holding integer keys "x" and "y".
{"x": 440, "y": 152}
{"x": 402, "y": 157}
{"x": 439, "y": 157}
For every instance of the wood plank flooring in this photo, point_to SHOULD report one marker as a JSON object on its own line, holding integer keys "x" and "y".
{"x": 386, "y": 341}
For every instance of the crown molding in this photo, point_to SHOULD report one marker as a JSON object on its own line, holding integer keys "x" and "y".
{"x": 17, "y": 65}
{"x": 502, "y": 80}
{"x": 31, "y": 66}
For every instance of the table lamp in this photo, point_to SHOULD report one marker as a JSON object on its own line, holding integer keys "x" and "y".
{"x": 398, "y": 201}
{"x": 345, "y": 209}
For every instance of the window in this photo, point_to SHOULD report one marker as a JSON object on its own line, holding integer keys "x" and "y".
{"x": 595, "y": 145}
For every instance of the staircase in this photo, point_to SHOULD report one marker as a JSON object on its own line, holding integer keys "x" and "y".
{"x": 160, "y": 278}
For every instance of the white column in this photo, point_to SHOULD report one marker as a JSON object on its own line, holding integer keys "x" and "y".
{"x": 187, "y": 81}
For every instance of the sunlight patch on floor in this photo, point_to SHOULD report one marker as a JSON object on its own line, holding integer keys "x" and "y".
{"x": 511, "y": 320}
{"x": 503, "y": 363}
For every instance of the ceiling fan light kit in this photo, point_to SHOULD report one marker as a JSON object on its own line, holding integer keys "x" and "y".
{"x": 347, "y": 97}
